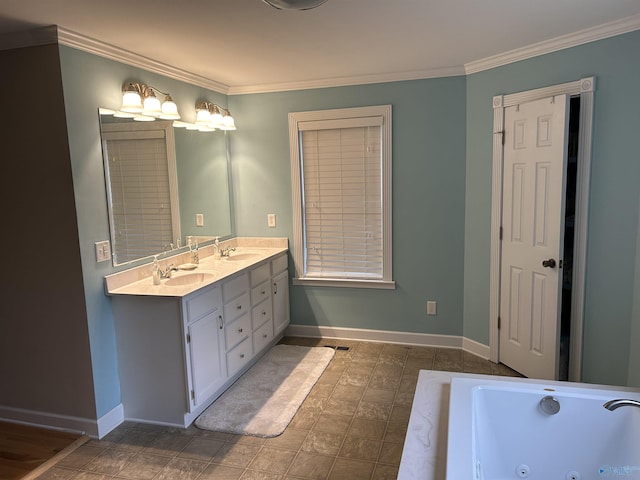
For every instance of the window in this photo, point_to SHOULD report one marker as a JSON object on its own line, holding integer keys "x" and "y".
{"x": 341, "y": 177}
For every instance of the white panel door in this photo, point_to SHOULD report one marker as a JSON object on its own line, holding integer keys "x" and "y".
{"x": 208, "y": 361}
{"x": 535, "y": 153}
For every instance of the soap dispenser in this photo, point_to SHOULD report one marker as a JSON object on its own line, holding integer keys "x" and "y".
{"x": 156, "y": 271}
{"x": 216, "y": 249}
{"x": 195, "y": 258}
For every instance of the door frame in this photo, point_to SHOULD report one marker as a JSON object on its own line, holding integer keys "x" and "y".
{"x": 584, "y": 87}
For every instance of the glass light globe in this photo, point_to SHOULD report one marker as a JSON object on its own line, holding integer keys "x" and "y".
{"x": 151, "y": 106}
{"x": 131, "y": 102}
{"x": 169, "y": 109}
{"x": 203, "y": 117}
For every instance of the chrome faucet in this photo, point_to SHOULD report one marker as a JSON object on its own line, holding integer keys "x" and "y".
{"x": 166, "y": 273}
{"x": 226, "y": 251}
{"x": 621, "y": 402}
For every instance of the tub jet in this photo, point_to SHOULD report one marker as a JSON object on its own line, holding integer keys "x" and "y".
{"x": 550, "y": 405}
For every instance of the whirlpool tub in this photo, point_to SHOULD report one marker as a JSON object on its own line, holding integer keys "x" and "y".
{"x": 501, "y": 429}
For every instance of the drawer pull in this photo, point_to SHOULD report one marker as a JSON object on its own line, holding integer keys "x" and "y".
{"x": 221, "y": 322}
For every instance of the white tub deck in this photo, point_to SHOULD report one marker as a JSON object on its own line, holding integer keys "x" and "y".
{"x": 424, "y": 456}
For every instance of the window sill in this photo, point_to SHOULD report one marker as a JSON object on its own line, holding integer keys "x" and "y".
{"x": 345, "y": 283}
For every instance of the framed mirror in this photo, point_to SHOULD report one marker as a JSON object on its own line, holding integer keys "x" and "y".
{"x": 163, "y": 184}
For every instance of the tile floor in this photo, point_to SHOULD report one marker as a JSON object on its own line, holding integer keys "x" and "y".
{"x": 351, "y": 426}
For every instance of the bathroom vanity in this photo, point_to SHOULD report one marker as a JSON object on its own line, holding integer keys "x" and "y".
{"x": 183, "y": 342}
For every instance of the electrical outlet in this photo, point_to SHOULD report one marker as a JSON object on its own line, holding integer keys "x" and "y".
{"x": 431, "y": 307}
{"x": 103, "y": 251}
{"x": 199, "y": 220}
{"x": 271, "y": 220}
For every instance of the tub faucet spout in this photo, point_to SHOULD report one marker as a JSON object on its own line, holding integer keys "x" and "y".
{"x": 621, "y": 402}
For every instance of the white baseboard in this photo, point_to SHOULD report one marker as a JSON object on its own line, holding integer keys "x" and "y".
{"x": 400, "y": 338}
{"x": 111, "y": 420}
{"x": 479, "y": 349}
{"x": 88, "y": 426}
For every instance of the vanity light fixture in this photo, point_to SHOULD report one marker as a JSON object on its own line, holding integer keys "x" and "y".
{"x": 210, "y": 116}
{"x": 139, "y": 102}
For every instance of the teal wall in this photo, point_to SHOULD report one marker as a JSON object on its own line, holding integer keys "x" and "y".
{"x": 634, "y": 337}
{"x": 615, "y": 189}
{"x": 428, "y": 200}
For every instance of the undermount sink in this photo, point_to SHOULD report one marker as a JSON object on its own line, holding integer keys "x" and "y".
{"x": 241, "y": 256}
{"x": 188, "y": 279}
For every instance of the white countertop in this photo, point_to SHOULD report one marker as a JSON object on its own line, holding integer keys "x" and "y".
{"x": 139, "y": 280}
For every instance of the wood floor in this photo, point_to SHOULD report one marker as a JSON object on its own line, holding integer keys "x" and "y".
{"x": 26, "y": 451}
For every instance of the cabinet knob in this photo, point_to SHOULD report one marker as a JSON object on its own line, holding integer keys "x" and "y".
{"x": 264, "y": 292}
{"x": 240, "y": 330}
{"x": 264, "y": 312}
{"x": 239, "y": 307}
{"x": 265, "y": 335}
{"x": 242, "y": 355}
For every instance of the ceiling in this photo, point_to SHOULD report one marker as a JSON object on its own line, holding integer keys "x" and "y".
{"x": 246, "y": 45}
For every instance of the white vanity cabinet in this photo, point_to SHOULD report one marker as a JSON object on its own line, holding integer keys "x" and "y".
{"x": 170, "y": 354}
{"x": 261, "y": 307}
{"x": 280, "y": 293}
{"x": 178, "y": 350}
{"x": 237, "y": 320}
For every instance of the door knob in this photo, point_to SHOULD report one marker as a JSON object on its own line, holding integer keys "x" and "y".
{"x": 551, "y": 263}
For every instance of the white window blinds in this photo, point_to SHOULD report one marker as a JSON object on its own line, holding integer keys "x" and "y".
{"x": 342, "y": 201}
{"x": 341, "y": 177}
{"x": 140, "y": 194}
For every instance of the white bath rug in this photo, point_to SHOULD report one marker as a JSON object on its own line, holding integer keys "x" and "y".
{"x": 265, "y": 399}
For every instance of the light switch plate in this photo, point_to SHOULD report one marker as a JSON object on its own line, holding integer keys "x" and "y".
{"x": 199, "y": 220}
{"x": 271, "y": 220}
{"x": 103, "y": 251}
{"x": 431, "y": 308}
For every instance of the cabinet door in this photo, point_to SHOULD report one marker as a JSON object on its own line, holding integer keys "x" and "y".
{"x": 207, "y": 354}
{"x": 280, "y": 284}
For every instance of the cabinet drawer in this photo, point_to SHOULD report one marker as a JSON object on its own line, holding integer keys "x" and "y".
{"x": 261, "y": 292}
{"x": 203, "y": 302}
{"x": 237, "y": 331}
{"x": 261, "y": 313}
{"x": 279, "y": 264}
{"x": 237, "y": 307}
{"x": 238, "y": 357}
{"x": 262, "y": 336}
{"x": 235, "y": 287}
{"x": 260, "y": 274}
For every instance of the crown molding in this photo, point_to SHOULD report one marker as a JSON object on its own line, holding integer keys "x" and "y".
{"x": 581, "y": 37}
{"x": 102, "y": 49}
{"x": 348, "y": 81}
{"x": 53, "y": 34}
